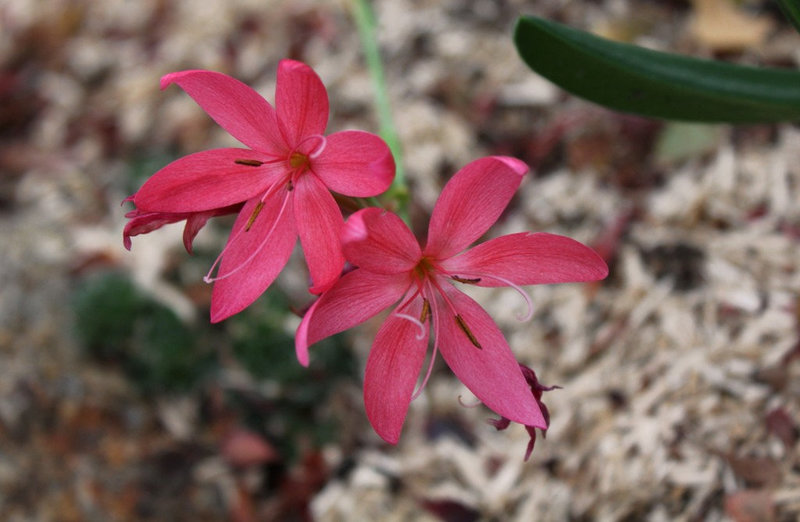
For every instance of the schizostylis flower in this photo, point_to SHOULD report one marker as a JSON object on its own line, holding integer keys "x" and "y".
{"x": 422, "y": 284}
{"x": 282, "y": 180}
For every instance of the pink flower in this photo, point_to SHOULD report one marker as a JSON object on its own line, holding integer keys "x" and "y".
{"x": 282, "y": 180}
{"x": 394, "y": 269}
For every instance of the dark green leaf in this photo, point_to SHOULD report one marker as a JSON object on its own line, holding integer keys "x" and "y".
{"x": 791, "y": 9}
{"x": 632, "y": 79}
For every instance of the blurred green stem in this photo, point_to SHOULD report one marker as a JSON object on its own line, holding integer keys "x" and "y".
{"x": 397, "y": 195}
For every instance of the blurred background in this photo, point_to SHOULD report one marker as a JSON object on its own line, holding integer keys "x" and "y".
{"x": 119, "y": 401}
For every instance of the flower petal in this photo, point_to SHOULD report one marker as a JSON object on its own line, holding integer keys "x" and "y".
{"x": 253, "y": 258}
{"x": 379, "y": 241}
{"x": 355, "y": 163}
{"x": 144, "y": 222}
{"x": 392, "y": 369}
{"x": 207, "y": 180}
{"x": 301, "y": 102}
{"x": 198, "y": 220}
{"x": 471, "y": 202}
{"x": 237, "y": 108}
{"x": 490, "y": 372}
{"x": 318, "y": 221}
{"x": 356, "y": 297}
{"x": 529, "y": 259}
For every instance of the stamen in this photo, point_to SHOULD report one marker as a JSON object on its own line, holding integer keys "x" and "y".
{"x": 254, "y": 215}
{"x": 290, "y": 186}
{"x": 433, "y": 354}
{"x": 208, "y": 279}
{"x": 464, "y": 328}
{"x": 248, "y": 162}
{"x": 426, "y": 310}
{"x": 465, "y": 280}
{"x": 421, "y": 326}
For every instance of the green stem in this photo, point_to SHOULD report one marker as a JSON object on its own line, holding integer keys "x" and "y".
{"x": 397, "y": 195}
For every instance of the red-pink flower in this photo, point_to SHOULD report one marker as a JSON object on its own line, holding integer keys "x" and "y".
{"x": 394, "y": 269}
{"x": 282, "y": 180}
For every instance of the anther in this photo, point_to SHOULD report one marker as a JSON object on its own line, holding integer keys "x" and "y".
{"x": 426, "y": 310}
{"x": 465, "y": 280}
{"x": 254, "y": 215}
{"x": 248, "y": 162}
{"x": 290, "y": 186}
{"x": 464, "y": 328}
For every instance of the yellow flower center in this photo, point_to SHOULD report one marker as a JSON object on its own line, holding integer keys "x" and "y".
{"x": 298, "y": 160}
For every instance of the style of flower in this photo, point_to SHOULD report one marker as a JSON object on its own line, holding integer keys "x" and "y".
{"x": 392, "y": 268}
{"x": 282, "y": 181}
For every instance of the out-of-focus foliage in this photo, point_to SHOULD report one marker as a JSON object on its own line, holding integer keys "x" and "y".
{"x": 119, "y": 324}
{"x": 298, "y": 406}
{"x": 123, "y": 328}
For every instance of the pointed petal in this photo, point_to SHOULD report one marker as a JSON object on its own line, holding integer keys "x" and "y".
{"x": 198, "y": 220}
{"x": 490, "y": 372}
{"x": 318, "y": 221}
{"x": 207, "y": 180}
{"x": 253, "y": 258}
{"x": 379, "y": 241}
{"x": 234, "y": 106}
{"x": 356, "y": 297}
{"x": 529, "y": 259}
{"x": 301, "y": 102}
{"x": 144, "y": 222}
{"x": 392, "y": 369}
{"x": 471, "y": 202}
{"x": 193, "y": 225}
{"x": 355, "y": 163}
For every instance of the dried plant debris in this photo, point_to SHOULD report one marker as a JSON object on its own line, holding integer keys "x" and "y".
{"x": 679, "y": 375}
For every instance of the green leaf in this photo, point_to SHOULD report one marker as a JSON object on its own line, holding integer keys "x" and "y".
{"x": 632, "y": 79}
{"x": 791, "y": 9}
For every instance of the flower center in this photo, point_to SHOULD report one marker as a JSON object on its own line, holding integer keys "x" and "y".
{"x": 298, "y": 160}
{"x": 425, "y": 268}
{"x": 427, "y": 271}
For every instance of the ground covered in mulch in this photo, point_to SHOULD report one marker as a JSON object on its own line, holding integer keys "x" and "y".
{"x": 679, "y": 374}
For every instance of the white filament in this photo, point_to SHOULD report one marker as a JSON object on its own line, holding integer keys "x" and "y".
{"x": 208, "y": 279}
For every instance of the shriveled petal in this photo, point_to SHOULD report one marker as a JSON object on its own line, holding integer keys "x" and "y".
{"x": 301, "y": 102}
{"x": 207, "y": 180}
{"x": 356, "y": 297}
{"x": 471, "y": 202}
{"x": 379, "y": 241}
{"x": 144, "y": 222}
{"x": 253, "y": 258}
{"x": 392, "y": 368}
{"x": 529, "y": 259}
{"x": 234, "y": 106}
{"x": 318, "y": 221}
{"x": 490, "y": 372}
{"x": 355, "y": 163}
